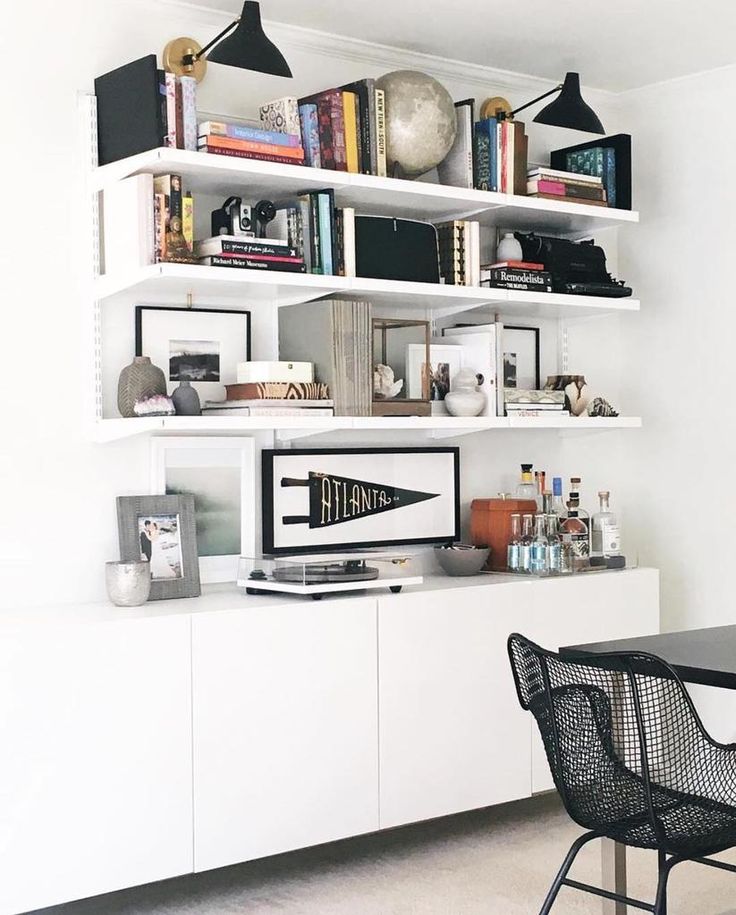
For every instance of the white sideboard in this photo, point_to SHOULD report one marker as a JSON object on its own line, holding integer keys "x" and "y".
{"x": 187, "y": 735}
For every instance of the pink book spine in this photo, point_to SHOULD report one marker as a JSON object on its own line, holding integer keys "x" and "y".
{"x": 171, "y": 110}
{"x": 551, "y": 187}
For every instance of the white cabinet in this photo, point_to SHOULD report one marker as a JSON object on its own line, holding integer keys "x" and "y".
{"x": 285, "y": 728}
{"x": 95, "y": 765}
{"x": 450, "y": 735}
{"x": 594, "y": 608}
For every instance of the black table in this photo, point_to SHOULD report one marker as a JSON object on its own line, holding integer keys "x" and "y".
{"x": 706, "y": 656}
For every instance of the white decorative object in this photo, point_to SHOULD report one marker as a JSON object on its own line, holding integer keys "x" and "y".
{"x": 509, "y": 249}
{"x": 465, "y": 399}
{"x": 128, "y": 582}
{"x": 254, "y": 372}
{"x": 383, "y": 382}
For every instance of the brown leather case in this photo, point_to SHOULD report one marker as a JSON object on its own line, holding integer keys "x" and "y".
{"x": 490, "y": 525}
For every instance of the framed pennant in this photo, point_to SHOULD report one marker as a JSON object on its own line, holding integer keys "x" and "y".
{"x": 355, "y": 498}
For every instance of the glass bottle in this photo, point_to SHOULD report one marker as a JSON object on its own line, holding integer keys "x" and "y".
{"x": 526, "y": 488}
{"x": 525, "y": 553}
{"x": 557, "y": 505}
{"x": 554, "y": 547}
{"x": 539, "y": 561}
{"x": 540, "y": 478}
{"x": 513, "y": 551}
{"x": 605, "y": 533}
{"x": 575, "y": 532}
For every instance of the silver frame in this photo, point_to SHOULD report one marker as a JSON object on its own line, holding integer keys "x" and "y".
{"x": 129, "y": 510}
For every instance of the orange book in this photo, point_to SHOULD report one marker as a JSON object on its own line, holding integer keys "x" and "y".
{"x": 350, "y": 113}
{"x": 268, "y": 149}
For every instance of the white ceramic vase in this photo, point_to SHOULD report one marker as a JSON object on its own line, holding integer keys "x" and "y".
{"x": 509, "y": 249}
{"x": 465, "y": 399}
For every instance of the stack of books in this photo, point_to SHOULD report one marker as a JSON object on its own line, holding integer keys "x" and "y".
{"x": 576, "y": 188}
{"x": 327, "y": 233}
{"x": 489, "y": 155}
{"x": 247, "y": 142}
{"x": 273, "y": 399}
{"x": 522, "y": 275}
{"x": 250, "y": 253}
{"x": 459, "y": 252}
{"x": 344, "y": 129}
{"x": 523, "y": 402}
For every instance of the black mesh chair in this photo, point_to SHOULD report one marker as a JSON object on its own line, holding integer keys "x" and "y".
{"x": 630, "y": 758}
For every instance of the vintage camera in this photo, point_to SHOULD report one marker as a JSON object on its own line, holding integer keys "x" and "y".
{"x": 233, "y": 218}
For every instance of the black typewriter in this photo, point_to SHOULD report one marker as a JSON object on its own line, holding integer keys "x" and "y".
{"x": 577, "y": 268}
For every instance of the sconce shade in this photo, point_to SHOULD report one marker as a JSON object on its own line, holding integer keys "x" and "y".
{"x": 569, "y": 109}
{"x": 248, "y": 47}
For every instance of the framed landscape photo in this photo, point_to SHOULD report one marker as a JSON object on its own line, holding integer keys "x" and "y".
{"x": 160, "y": 530}
{"x": 200, "y": 345}
{"x": 219, "y": 473}
{"x": 352, "y": 498}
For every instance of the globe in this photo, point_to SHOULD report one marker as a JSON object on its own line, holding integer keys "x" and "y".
{"x": 420, "y": 121}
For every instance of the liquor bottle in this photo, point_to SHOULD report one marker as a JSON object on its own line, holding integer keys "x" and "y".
{"x": 554, "y": 548}
{"x": 513, "y": 551}
{"x": 557, "y": 505}
{"x": 540, "y": 478}
{"x": 526, "y": 488}
{"x": 575, "y": 532}
{"x": 605, "y": 534}
{"x": 539, "y": 560}
{"x": 525, "y": 552}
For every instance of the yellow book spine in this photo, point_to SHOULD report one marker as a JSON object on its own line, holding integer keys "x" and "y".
{"x": 350, "y": 114}
{"x": 187, "y": 220}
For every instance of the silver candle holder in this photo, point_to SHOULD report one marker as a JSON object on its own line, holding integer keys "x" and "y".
{"x": 128, "y": 582}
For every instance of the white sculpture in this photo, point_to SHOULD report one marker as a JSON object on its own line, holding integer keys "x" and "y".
{"x": 384, "y": 385}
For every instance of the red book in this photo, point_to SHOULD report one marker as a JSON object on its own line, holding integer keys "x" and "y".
{"x": 518, "y": 265}
{"x": 244, "y": 154}
{"x": 330, "y": 105}
{"x": 269, "y": 149}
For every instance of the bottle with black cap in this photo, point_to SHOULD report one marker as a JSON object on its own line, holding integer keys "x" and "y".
{"x": 526, "y": 488}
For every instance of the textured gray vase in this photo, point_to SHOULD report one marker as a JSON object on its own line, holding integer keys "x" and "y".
{"x": 138, "y": 381}
{"x": 186, "y": 400}
{"x": 128, "y": 582}
{"x": 421, "y": 122}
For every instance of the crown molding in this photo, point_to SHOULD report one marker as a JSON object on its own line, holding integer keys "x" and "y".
{"x": 488, "y": 80}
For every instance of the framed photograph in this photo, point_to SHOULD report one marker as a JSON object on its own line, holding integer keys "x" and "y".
{"x": 219, "y": 473}
{"x": 201, "y": 345}
{"x": 160, "y": 530}
{"x": 521, "y": 357}
{"x": 445, "y": 360}
{"x": 353, "y": 498}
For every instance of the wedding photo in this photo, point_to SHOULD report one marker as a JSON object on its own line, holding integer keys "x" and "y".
{"x": 160, "y": 545}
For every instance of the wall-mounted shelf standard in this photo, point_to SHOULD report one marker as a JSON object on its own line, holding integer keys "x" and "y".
{"x": 176, "y": 281}
{"x": 367, "y": 193}
{"x": 293, "y": 427}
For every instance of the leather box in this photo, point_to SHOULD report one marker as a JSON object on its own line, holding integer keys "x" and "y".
{"x": 490, "y": 525}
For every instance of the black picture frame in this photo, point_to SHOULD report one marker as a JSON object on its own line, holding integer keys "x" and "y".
{"x": 621, "y": 143}
{"x": 525, "y": 328}
{"x": 268, "y": 457}
{"x": 205, "y": 387}
{"x": 130, "y": 509}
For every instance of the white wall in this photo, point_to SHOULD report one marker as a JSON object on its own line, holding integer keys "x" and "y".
{"x": 58, "y": 518}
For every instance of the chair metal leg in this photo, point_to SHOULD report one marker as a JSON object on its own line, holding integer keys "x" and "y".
{"x": 665, "y": 869}
{"x": 563, "y": 871}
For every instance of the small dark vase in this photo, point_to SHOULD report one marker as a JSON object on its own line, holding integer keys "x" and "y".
{"x": 186, "y": 400}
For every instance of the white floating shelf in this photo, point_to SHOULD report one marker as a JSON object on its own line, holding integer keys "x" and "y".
{"x": 292, "y": 427}
{"x": 175, "y": 281}
{"x": 210, "y": 173}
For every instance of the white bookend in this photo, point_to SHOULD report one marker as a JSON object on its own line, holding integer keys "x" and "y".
{"x": 348, "y": 238}
{"x": 475, "y": 253}
{"x": 128, "y": 227}
{"x": 480, "y": 354}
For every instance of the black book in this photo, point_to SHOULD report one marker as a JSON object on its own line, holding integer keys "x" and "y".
{"x": 131, "y": 110}
{"x": 246, "y": 263}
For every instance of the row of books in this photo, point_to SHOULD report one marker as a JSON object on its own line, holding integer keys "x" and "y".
{"x": 489, "y": 155}
{"x": 458, "y": 244}
{"x": 524, "y": 402}
{"x": 553, "y": 184}
{"x": 250, "y": 142}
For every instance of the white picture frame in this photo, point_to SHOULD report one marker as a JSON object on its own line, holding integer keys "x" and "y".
{"x": 450, "y": 355}
{"x": 225, "y": 532}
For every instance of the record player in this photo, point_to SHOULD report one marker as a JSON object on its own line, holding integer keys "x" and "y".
{"x": 315, "y": 575}
{"x": 577, "y": 268}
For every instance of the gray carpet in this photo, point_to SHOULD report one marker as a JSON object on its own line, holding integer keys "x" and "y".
{"x": 498, "y": 861}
